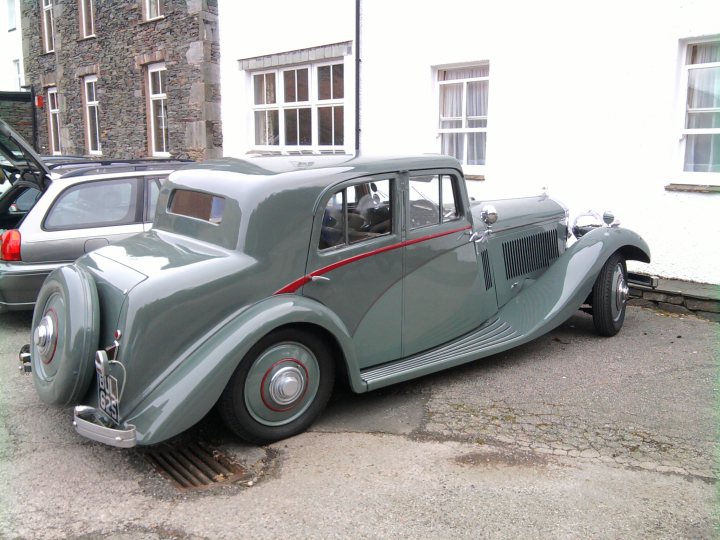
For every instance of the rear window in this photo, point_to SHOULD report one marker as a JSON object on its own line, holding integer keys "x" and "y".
{"x": 198, "y": 205}
{"x": 101, "y": 203}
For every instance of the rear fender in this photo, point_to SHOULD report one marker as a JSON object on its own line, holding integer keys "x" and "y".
{"x": 191, "y": 390}
{"x": 563, "y": 288}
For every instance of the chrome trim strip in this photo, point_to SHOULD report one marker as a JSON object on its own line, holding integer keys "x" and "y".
{"x": 493, "y": 333}
{"x": 85, "y": 420}
{"x": 497, "y": 228}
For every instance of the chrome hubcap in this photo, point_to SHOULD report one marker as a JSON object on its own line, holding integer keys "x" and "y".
{"x": 282, "y": 383}
{"x": 287, "y": 385}
{"x": 44, "y": 337}
{"x": 622, "y": 292}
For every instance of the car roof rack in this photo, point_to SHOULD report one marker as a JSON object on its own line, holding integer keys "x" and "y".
{"x": 74, "y": 169}
{"x": 75, "y": 163}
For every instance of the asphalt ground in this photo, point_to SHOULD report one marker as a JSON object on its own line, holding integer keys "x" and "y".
{"x": 570, "y": 436}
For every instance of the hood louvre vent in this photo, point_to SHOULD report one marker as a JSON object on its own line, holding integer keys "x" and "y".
{"x": 486, "y": 269}
{"x": 531, "y": 253}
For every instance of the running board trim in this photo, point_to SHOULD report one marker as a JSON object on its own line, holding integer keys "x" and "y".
{"x": 469, "y": 347}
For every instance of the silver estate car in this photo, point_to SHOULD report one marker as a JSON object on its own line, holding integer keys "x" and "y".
{"x": 51, "y": 214}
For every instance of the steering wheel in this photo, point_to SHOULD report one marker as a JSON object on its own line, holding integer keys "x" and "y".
{"x": 423, "y": 212}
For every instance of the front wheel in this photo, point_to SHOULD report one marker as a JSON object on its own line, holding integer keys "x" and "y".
{"x": 279, "y": 388}
{"x": 609, "y": 296}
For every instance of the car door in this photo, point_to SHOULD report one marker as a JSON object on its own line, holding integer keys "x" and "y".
{"x": 448, "y": 288}
{"x": 83, "y": 217}
{"x": 355, "y": 261}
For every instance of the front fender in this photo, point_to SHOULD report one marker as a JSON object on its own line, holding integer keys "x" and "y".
{"x": 563, "y": 288}
{"x": 191, "y": 390}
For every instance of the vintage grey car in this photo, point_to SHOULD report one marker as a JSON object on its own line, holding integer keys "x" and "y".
{"x": 262, "y": 280}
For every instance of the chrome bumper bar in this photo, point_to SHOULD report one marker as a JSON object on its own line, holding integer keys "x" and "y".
{"x": 87, "y": 422}
{"x": 642, "y": 281}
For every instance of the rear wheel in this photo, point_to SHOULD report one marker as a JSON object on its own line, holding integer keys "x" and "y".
{"x": 609, "y": 296}
{"x": 279, "y": 388}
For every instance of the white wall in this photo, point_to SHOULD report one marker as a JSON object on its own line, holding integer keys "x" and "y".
{"x": 584, "y": 101}
{"x": 10, "y": 48}
{"x": 585, "y": 98}
{"x": 250, "y": 29}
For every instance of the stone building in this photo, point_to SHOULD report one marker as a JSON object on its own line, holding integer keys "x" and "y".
{"x": 125, "y": 78}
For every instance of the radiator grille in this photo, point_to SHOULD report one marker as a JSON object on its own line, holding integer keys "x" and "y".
{"x": 529, "y": 254}
{"x": 486, "y": 269}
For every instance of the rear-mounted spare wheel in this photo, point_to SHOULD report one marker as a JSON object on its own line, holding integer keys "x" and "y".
{"x": 65, "y": 333}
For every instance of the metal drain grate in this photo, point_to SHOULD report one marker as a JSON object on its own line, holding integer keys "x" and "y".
{"x": 192, "y": 466}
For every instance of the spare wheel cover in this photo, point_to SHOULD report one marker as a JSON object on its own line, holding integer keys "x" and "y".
{"x": 65, "y": 334}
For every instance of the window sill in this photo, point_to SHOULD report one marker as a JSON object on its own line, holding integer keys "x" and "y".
{"x": 693, "y": 188}
{"x": 156, "y": 19}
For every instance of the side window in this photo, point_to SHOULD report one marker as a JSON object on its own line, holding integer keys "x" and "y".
{"x": 95, "y": 204}
{"x": 432, "y": 200}
{"x": 152, "y": 191}
{"x": 357, "y": 213}
{"x": 26, "y": 200}
{"x": 449, "y": 199}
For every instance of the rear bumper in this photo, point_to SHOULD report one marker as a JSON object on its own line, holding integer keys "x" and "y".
{"x": 20, "y": 283}
{"x": 89, "y": 422}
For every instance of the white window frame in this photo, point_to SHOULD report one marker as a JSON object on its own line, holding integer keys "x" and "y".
{"x": 18, "y": 72}
{"x": 148, "y": 6}
{"x": 92, "y": 104}
{"x": 694, "y": 177}
{"x": 152, "y": 98}
{"x": 48, "y": 26}
{"x": 12, "y": 15}
{"x": 464, "y": 129}
{"x": 87, "y": 9}
{"x": 53, "y": 105}
{"x": 313, "y": 103}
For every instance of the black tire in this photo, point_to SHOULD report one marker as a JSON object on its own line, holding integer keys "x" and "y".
{"x": 609, "y": 296}
{"x": 65, "y": 335}
{"x": 266, "y": 399}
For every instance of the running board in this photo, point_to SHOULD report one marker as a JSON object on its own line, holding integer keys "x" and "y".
{"x": 484, "y": 341}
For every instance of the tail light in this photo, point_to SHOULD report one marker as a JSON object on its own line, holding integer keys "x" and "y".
{"x": 10, "y": 245}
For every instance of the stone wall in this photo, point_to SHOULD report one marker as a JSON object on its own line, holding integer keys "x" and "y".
{"x": 682, "y": 298}
{"x": 185, "y": 39}
{"x": 16, "y": 109}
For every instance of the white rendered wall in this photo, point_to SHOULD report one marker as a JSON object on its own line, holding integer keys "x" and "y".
{"x": 10, "y": 48}
{"x": 250, "y": 29}
{"x": 585, "y": 99}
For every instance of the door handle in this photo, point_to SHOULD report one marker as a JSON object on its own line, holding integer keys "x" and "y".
{"x": 319, "y": 279}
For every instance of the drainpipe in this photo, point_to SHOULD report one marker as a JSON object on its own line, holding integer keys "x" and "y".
{"x": 357, "y": 77}
{"x": 34, "y": 116}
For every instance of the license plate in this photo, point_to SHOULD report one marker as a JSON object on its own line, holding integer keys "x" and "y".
{"x": 108, "y": 399}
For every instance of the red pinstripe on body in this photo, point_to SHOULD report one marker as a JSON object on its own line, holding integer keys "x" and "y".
{"x": 295, "y": 285}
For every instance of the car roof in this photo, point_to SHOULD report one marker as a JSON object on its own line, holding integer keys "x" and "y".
{"x": 266, "y": 175}
{"x": 271, "y": 165}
